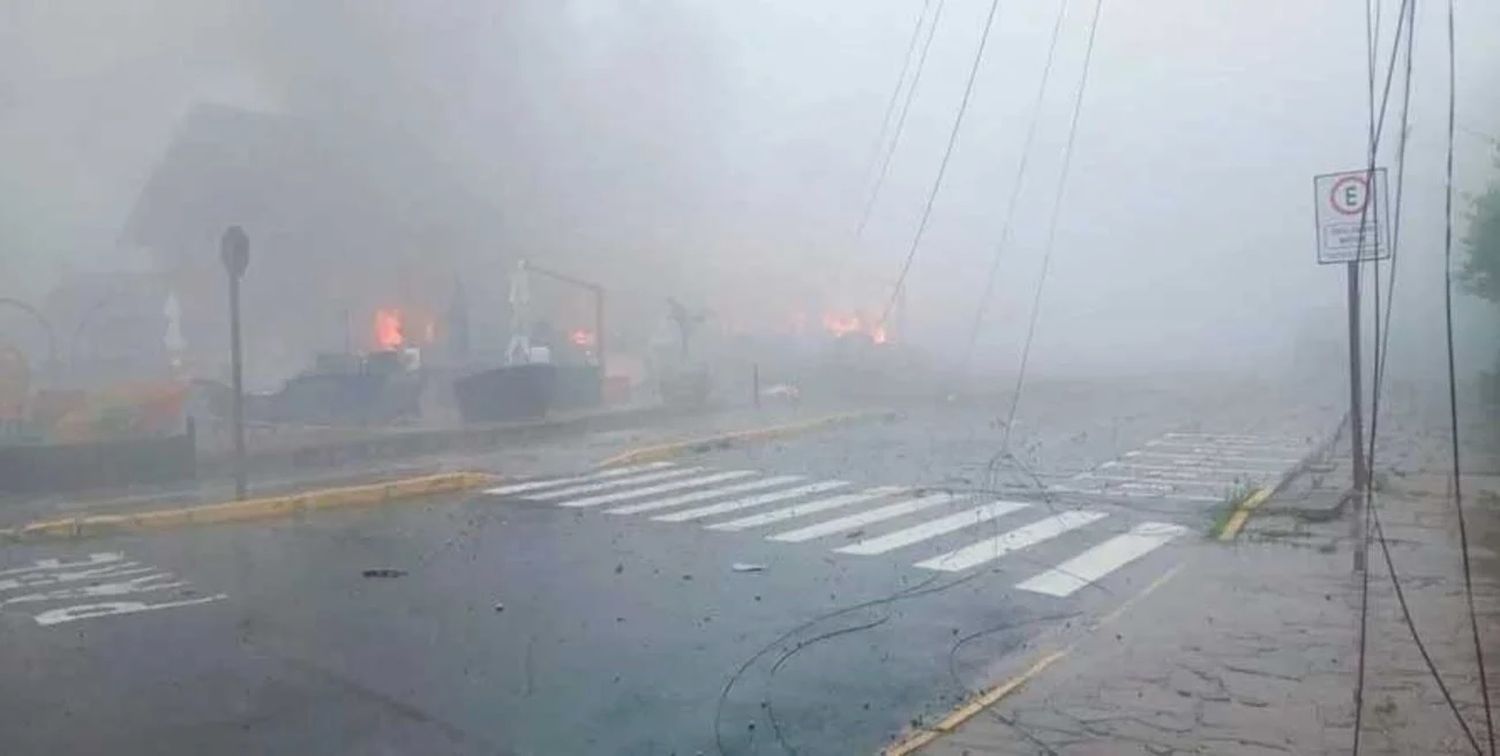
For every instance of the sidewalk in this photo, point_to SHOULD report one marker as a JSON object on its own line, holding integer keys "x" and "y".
{"x": 1251, "y": 648}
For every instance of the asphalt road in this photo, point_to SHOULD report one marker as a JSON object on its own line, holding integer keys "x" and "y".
{"x": 719, "y": 604}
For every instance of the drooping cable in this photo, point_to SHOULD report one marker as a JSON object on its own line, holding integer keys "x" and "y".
{"x": 1015, "y": 189}
{"x": 937, "y": 183}
{"x": 1062, "y": 183}
{"x": 890, "y": 152}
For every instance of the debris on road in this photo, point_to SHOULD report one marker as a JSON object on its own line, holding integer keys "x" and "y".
{"x": 747, "y": 567}
{"x": 384, "y": 572}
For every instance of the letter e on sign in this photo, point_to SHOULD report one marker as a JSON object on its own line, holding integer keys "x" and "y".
{"x": 1350, "y": 215}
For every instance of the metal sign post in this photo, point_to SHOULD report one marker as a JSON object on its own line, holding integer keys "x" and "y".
{"x": 1350, "y": 216}
{"x": 234, "y": 251}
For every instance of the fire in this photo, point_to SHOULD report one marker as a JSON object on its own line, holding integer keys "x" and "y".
{"x": 388, "y": 333}
{"x": 843, "y": 325}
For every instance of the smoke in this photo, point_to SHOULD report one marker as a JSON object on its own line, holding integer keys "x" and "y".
{"x": 718, "y": 153}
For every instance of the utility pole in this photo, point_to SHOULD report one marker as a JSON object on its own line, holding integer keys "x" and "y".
{"x": 234, "y": 250}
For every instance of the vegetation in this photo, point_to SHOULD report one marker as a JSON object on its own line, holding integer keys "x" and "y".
{"x": 1481, "y": 271}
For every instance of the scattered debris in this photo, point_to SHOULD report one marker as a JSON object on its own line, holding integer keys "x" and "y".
{"x": 782, "y": 391}
{"x": 384, "y": 572}
{"x": 499, "y": 607}
{"x": 747, "y": 567}
{"x": 619, "y": 568}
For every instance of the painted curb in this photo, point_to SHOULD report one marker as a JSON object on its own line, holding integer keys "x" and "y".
{"x": 1242, "y": 512}
{"x": 923, "y": 738}
{"x": 253, "y": 509}
{"x": 918, "y": 738}
{"x": 660, "y": 452}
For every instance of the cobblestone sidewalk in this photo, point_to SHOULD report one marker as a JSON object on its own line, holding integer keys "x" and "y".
{"x": 1251, "y": 649}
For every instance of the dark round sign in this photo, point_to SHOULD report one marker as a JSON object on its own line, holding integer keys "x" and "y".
{"x": 234, "y": 250}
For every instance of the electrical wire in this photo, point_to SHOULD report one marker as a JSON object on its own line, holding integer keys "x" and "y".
{"x": 890, "y": 105}
{"x": 1062, "y": 183}
{"x": 1362, "y": 643}
{"x": 1458, "y": 497}
{"x": 958, "y": 121}
{"x": 1382, "y": 344}
{"x": 1407, "y": 18}
{"x": 885, "y": 164}
{"x": 1015, "y": 189}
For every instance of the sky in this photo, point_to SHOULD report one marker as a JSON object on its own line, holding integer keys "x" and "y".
{"x": 722, "y": 152}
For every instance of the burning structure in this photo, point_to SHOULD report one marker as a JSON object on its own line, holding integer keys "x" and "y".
{"x": 354, "y": 246}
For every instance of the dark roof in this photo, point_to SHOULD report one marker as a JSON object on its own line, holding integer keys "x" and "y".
{"x": 224, "y": 166}
{"x": 282, "y": 175}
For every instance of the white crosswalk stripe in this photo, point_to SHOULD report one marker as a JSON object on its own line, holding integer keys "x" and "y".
{"x": 1176, "y": 471}
{"x": 563, "y": 493}
{"x": 807, "y": 508}
{"x": 533, "y": 485}
{"x": 854, "y": 521}
{"x": 1168, "y": 484}
{"x": 697, "y": 496}
{"x": 1133, "y": 494}
{"x": 751, "y": 501}
{"x": 993, "y": 548}
{"x": 932, "y": 528}
{"x": 636, "y": 493}
{"x": 671, "y": 494}
{"x": 1230, "y": 441}
{"x": 1095, "y": 563}
{"x": 1223, "y": 437}
{"x": 1201, "y": 455}
{"x": 1189, "y": 467}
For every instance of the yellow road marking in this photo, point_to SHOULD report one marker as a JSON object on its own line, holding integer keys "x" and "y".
{"x": 254, "y": 509}
{"x": 1242, "y": 513}
{"x": 659, "y": 452}
{"x": 1160, "y": 581}
{"x": 919, "y": 740}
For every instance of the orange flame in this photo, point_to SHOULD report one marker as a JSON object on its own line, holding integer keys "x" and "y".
{"x": 843, "y": 325}
{"x": 388, "y": 334}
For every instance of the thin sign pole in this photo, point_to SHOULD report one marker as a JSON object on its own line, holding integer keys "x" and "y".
{"x": 599, "y": 332}
{"x": 237, "y": 369}
{"x": 1356, "y": 420}
{"x": 234, "y": 251}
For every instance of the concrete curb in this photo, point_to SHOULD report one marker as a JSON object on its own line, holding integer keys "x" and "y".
{"x": 1066, "y": 638}
{"x": 252, "y": 509}
{"x": 415, "y": 442}
{"x": 1242, "y": 512}
{"x": 922, "y": 738}
{"x": 675, "y": 449}
{"x": 1249, "y": 504}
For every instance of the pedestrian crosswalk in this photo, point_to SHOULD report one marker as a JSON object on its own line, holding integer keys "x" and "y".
{"x": 1190, "y": 467}
{"x": 941, "y": 531}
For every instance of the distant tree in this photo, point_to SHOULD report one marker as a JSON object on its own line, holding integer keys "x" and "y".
{"x": 1481, "y": 271}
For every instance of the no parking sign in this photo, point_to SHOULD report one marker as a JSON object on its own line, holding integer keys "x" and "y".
{"x": 1351, "y": 213}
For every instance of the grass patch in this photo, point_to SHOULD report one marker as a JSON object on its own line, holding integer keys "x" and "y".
{"x": 1233, "y": 498}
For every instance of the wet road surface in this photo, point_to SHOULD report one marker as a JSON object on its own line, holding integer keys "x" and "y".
{"x": 813, "y": 595}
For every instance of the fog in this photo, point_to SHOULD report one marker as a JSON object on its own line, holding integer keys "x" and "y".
{"x": 720, "y": 153}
